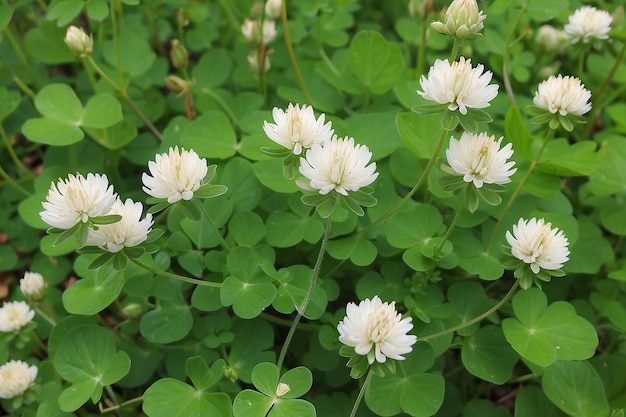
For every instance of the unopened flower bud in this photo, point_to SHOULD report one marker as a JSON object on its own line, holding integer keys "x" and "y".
{"x": 273, "y": 9}
{"x": 463, "y": 20}
{"x": 282, "y": 389}
{"x": 132, "y": 310}
{"x": 231, "y": 374}
{"x": 255, "y": 65}
{"x": 179, "y": 55}
{"x": 176, "y": 84}
{"x": 78, "y": 42}
{"x": 269, "y": 31}
{"x": 181, "y": 17}
{"x": 250, "y": 29}
{"x": 32, "y": 285}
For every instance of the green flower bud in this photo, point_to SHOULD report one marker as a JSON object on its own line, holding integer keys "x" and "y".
{"x": 463, "y": 20}
{"x": 78, "y": 42}
{"x": 179, "y": 55}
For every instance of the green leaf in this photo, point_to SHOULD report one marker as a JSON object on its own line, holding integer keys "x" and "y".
{"x": 52, "y": 132}
{"x": 294, "y": 285}
{"x": 248, "y": 299}
{"x": 211, "y": 136}
{"x": 359, "y": 250}
{"x": 541, "y": 11}
{"x": 74, "y": 396}
{"x": 561, "y": 158}
{"x": 543, "y": 334}
{"x": 473, "y": 257}
{"x": 136, "y": 54}
{"x": 102, "y": 111}
{"x": 6, "y": 13}
{"x": 299, "y": 380}
{"x": 157, "y": 401}
{"x": 375, "y": 62}
{"x": 198, "y": 372}
{"x": 46, "y": 44}
{"x": 409, "y": 390}
{"x": 368, "y": 129}
{"x": 210, "y": 191}
{"x": 531, "y": 401}
{"x": 212, "y": 69}
{"x": 191, "y": 210}
{"x": 265, "y": 378}
{"x": 250, "y": 403}
{"x": 91, "y": 295}
{"x": 9, "y": 100}
{"x": 576, "y": 388}
{"x": 487, "y": 355}
{"x": 404, "y": 232}
{"x": 59, "y": 102}
{"x": 449, "y": 120}
{"x": 517, "y": 133}
{"x": 166, "y": 324}
{"x": 419, "y": 132}
{"x": 65, "y": 11}
{"x": 246, "y": 228}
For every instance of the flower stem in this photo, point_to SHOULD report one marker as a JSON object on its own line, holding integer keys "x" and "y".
{"x": 455, "y": 49}
{"x": 21, "y": 57}
{"x": 507, "y": 55}
{"x": 23, "y": 87}
{"x": 307, "y": 298}
{"x": 116, "y": 8}
{"x": 45, "y": 316}
{"x": 5, "y": 176}
{"x": 596, "y": 99}
{"x": 124, "y": 404}
{"x": 292, "y": 55}
{"x": 223, "y": 105}
{"x": 223, "y": 242}
{"x": 532, "y": 167}
{"x": 183, "y": 278}
{"x": 417, "y": 185}
{"x": 477, "y": 318}
{"x": 456, "y": 218}
{"x": 359, "y": 397}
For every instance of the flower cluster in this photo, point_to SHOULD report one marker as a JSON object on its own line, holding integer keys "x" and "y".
{"x": 376, "y": 330}
{"x": 563, "y": 95}
{"x": 78, "y": 41}
{"x": 15, "y": 378}
{"x": 259, "y": 33}
{"x": 479, "y": 159}
{"x": 14, "y": 315}
{"x": 175, "y": 175}
{"x": 538, "y": 244}
{"x": 32, "y": 285}
{"x": 588, "y": 23}
{"x": 458, "y": 85}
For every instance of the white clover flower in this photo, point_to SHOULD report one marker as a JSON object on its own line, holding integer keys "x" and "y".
{"x": 538, "y": 244}
{"x": 14, "y": 315}
{"x": 565, "y": 95}
{"x": 255, "y": 65}
{"x": 128, "y": 232}
{"x": 588, "y": 23}
{"x": 463, "y": 20}
{"x": 78, "y": 41}
{"x": 458, "y": 85}
{"x": 32, "y": 285}
{"x": 15, "y": 378}
{"x": 551, "y": 39}
{"x": 175, "y": 175}
{"x": 273, "y": 9}
{"x": 76, "y": 200}
{"x": 479, "y": 159}
{"x": 338, "y": 165}
{"x": 297, "y": 129}
{"x": 374, "y": 329}
{"x": 248, "y": 29}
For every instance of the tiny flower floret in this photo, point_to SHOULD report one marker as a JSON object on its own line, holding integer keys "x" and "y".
{"x": 297, "y": 128}
{"x": 76, "y": 200}
{"x": 339, "y": 165}
{"x": 129, "y": 231}
{"x": 463, "y": 20}
{"x": 32, "y": 285}
{"x": 479, "y": 159}
{"x": 15, "y": 378}
{"x": 175, "y": 175}
{"x": 14, "y": 315}
{"x": 376, "y": 330}
{"x": 458, "y": 85}
{"x": 563, "y": 95}
{"x": 282, "y": 389}
{"x": 588, "y": 23}
{"x": 538, "y": 244}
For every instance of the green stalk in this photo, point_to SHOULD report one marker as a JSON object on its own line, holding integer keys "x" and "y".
{"x": 359, "y": 397}
{"x": 532, "y": 167}
{"x": 223, "y": 242}
{"x": 12, "y": 182}
{"x": 183, "y": 278}
{"x": 21, "y": 57}
{"x": 455, "y": 49}
{"x": 292, "y": 55}
{"x": 307, "y": 298}
{"x": 9, "y": 146}
{"x": 507, "y": 55}
{"x": 417, "y": 185}
{"x": 456, "y": 218}
{"x": 116, "y": 7}
{"x": 475, "y": 319}
{"x": 223, "y": 105}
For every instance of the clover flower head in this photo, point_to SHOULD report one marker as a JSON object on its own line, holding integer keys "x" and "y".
{"x": 76, "y": 200}
{"x": 563, "y": 95}
{"x": 32, "y": 285}
{"x": 297, "y": 128}
{"x": 458, "y": 85}
{"x": 14, "y": 315}
{"x": 15, "y": 378}
{"x": 479, "y": 159}
{"x": 128, "y": 232}
{"x": 463, "y": 20}
{"x": 175, "y": 175}
{"x": 376, "y": 330}
{"x": 78, "y": 41}
{"x": 588, "y": 23}
{"x": 339, "y": 165}
{"x": 538, "y": 244}
{"x": 273, "y": 9}
{"x": 551, "y": 39}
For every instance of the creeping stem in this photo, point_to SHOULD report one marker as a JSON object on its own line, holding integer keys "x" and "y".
{"x": 532, "y": 167}
{"x": 307, "y": 298}
{"x": 477, "y": 318}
